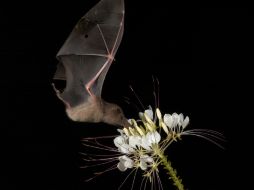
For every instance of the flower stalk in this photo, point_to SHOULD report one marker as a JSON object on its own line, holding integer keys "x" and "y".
{"x": 171, "y": 171}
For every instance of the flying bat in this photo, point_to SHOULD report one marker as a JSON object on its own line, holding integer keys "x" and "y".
{"x": 84, "y": 60}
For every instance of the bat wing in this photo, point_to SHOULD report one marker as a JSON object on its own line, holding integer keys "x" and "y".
{"x": 88, "y": 52}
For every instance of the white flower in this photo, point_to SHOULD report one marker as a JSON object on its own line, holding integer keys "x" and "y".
{"x": 135, "y": 141}
{"x": 185, "y": 122}
{"x": 175, "y": 120}
{"x": 140, "y": 143}
{"x": 125, "y": 162}
{"x": 122, "y": 145}
{"x": 168, "y": 120}
{"x": 153, "y": 137}
{"x": 149, "y": 139}
{"x": 148, "y": 112}
{"x": 145, "y": 144}
{"x": 144, "y": 161}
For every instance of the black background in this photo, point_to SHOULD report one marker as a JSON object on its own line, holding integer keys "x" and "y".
{"x": 198, "y": 53}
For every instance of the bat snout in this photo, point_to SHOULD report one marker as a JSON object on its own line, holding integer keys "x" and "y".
{"x": 125, "y": 123}
{"x": 114, "y": 115}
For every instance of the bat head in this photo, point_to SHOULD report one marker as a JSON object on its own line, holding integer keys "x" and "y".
{"x": 114, "y": 115}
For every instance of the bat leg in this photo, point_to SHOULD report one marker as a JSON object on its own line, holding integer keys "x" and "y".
{"x": 58, "y": 95}
{"x": 91, "y": 82}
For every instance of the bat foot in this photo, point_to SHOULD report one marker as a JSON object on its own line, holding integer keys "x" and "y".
{"x": 68, "y": 106}
{"x": 54, "y": 87}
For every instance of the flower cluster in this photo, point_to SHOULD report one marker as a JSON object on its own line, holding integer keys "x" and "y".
{"x": 142, "y": 144}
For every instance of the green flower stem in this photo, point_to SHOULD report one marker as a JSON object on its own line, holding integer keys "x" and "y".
{"x": 171, "y": 171}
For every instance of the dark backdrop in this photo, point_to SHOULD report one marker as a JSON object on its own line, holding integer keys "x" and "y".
{"x": 195, "y": 51}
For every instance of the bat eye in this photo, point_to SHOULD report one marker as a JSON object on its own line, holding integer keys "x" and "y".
{"x": 86, "y": 36}
{"x": 117, "y": 110}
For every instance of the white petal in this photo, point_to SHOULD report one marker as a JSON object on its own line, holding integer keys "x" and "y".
{"x": 168, "y": 120}
{"x": 143, "y": 165}
{"x": 127, "y": 158}
{"x": 121, "y": 167}
{"x": 141, "y": 115}
{"x": 135, "y": 141}
{"x": 153, "y": 138}
{"x": 176, "y": 119}
{"x": 143, "y": 157}
{"x": 145, "y": 143}
{"x": 146, "y": 158}
{"x": 180, "y": 119}
{"x": 157, "y": 137}
{"x": 186, "y": 122}
{"x": 149, "y": 138}
{"x": 149, "y": 160}
{"x": 132, "y": 141}
{"x": 122, "y": 158}
{"x": 125, "y": 149}
{"x": 126, "y": 161}
{"x": 149, "y": 113}
{"x": 118, "y": 141}
{"x": 129, "y": 163}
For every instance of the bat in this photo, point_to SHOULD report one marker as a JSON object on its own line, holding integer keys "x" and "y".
{"x": 84, "y": 60}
